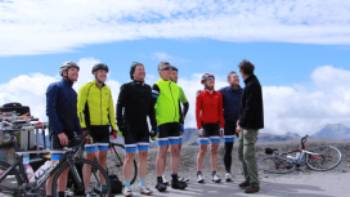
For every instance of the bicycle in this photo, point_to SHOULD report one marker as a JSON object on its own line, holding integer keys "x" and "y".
{"x": 115, "y": 158}
{"x": 14, "y": 180}
{"x": 324, "y": 159}
{"x": 116, "y": 155}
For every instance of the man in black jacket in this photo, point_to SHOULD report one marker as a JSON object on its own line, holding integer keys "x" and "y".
{"x": 250, "y": 121}
{"x": 134, "y": 106}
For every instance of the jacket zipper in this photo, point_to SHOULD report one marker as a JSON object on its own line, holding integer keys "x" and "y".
{"x": 101, "y": 105}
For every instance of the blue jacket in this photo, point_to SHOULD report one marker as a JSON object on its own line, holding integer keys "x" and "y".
{"x": 232, "y": 102}
{"x": 61, "y": 108}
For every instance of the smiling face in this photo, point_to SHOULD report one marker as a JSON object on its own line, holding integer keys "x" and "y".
{"x": 139, "y": 73}
{"x": 72, "y": 74}
{"x": 101, "y": 76}
{"x": 165, "y": 72}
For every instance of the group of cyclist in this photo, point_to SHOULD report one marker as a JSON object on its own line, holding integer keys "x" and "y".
{"x": 157, "y": 111}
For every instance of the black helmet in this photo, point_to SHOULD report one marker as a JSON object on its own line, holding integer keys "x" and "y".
{"x": 99, "y": 66}
{"x": 67, "y": 65}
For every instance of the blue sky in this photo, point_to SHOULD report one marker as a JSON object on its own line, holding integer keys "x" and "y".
{"x": 300, "y": 48}
{"x": 277, "y": 63}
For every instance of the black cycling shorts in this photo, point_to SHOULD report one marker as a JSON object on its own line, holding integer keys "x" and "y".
{"x": 211, "y": 134}
{"x": 169, "y": 134}
{"x": 136, "y": 137}
{"x": 230, "y": 131}
{"x": 100, "y": 134}
{"x": 211, "y": 130}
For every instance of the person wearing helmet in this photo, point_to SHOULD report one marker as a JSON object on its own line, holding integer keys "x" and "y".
{"x": 97, "y": 117}
{"x": 61, "y": 109}
{"x": 134, "y": 108}
{"x": 210, "y": 121}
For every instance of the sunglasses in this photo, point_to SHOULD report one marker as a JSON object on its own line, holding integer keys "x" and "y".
{"x": 166, "y": 69}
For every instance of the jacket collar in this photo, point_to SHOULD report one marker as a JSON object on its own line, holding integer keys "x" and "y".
{"x": 67, "y": 82}
{"x": 250, "y": 78}
{"x": 95, "y": 83}
{"x": 138, "y": 82}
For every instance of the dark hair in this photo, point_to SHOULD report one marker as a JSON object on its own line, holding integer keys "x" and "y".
{"x": 231, "y": 73}
{"x": 174, "y": 68}
{"x": 133, "y": 68}
{"x": 246, "y": 67}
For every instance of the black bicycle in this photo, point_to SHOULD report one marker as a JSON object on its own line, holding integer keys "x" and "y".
{"x": 116, "y": 155}
{"x": 15, "y": 182}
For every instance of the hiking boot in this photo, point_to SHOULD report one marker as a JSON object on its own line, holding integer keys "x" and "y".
{"x": 179, "y": 185}
{"x": 161, "y": 187}
{"x": 244, "y": 185}
{"x": 183, "y": 179}
{"x": 252, "y": 189}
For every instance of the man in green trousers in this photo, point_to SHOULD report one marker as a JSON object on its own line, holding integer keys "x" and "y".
{"x": 250, "y": 121}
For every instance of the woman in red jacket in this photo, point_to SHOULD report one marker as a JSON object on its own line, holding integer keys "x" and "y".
{"x": 210, "y": 121}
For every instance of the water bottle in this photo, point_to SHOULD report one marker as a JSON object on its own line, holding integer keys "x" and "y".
{"x": 28, "y": 168}
{"x": 43, "y": 169}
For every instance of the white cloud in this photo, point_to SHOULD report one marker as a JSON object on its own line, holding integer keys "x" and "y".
{"x": 30, "y": 89}
{"x": 296, "y": 108}
{"x": 34, "y": 27}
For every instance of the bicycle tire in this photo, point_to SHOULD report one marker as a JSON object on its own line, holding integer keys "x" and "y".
{"x": 82, "y": 162}
{"x": 116, "y": 150}
{"x": 13, "y": 182}
{"x": 322, "y": 157}
{"x": 275, "y": 165}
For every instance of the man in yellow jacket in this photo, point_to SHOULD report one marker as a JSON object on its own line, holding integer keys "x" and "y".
{"x": 97, "y": 117}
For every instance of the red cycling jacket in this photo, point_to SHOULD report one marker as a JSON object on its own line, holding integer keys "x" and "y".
{"x": 209, "y": 108}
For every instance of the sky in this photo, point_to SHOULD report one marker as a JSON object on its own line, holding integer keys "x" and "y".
{"x": 300, "y": 50}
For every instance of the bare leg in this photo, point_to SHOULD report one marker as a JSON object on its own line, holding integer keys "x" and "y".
{"x": 214, "y": 157}
{"x": 201, "y": 155}
{"x": 175, "y": 153}
{"x": 143, "y": 156}
{"x": 127, "y": 167}
{"x": 102, "y": 160}
{"x": 87, "y": 170}
{"x": 161, "y": 160}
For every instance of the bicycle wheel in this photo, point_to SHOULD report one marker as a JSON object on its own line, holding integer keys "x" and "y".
{"x": 324, "y": 158}
{"x": 12, "y": 181}
{"x": 116, "y": 156}
{"x": 275, "y": 165}
{"x": 98, "y": 185}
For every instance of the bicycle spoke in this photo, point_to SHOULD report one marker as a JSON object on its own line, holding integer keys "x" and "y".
{"x": 324, "y": 158}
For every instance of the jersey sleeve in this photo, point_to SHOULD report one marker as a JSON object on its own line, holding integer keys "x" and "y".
{"x": 51, "y": 110}
{"x": 82, "y": 100}
{"x": 183, "y": 98}
{"x": 199, "y": 105}
{"x": 111, "y": 112}
{"x": 120, "y": 107}
{"x": 221, "y": 111}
